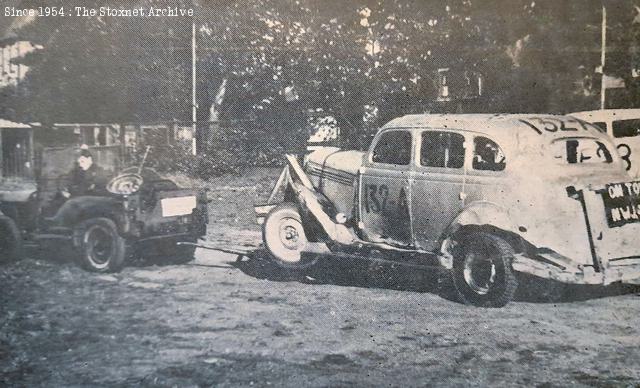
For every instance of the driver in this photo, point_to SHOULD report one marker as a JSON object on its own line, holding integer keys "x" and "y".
{"x": 87, "y": 178}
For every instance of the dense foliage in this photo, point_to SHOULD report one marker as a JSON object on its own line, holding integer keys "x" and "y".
{"x": 281, "y": 58}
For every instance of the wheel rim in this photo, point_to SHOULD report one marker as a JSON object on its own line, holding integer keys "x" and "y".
{"x": 292, "y": 238}
{"x": 99, "y": 246}
{"x": 479, "y": 273}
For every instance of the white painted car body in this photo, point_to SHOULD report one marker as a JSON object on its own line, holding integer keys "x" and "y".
{"x": 554, "y": 184}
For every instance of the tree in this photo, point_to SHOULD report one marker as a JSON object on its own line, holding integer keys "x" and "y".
{"x": 108, "y": 69}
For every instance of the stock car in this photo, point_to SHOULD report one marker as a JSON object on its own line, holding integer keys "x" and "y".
{"x": 139, "y": 213}
{"x": 488, "y": 199}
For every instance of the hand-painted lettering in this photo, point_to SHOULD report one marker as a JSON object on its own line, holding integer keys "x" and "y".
{"x": 554, "y": 124}
{"x": 375, "y": 198}
{"x": 625, "y": 154}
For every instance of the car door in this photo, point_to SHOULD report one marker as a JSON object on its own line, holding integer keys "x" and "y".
{"x": 438, "y": 182}
{"x": 384, "y": 189}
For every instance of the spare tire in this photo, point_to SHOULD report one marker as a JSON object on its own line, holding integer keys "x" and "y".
{"x": 10, "y": 240}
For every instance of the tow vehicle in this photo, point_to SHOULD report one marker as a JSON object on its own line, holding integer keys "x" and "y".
{"x": 481, "y": 197}
{"x": 140, "y": 213}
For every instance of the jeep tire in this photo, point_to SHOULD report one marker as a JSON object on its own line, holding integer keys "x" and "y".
{"x": 482, "y": 272}
{"x": 10, "y": 240}
{"x": 101, "y": 248}
{"x": 284, "y": 237}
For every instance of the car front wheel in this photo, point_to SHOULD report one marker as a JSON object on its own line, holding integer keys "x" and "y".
{"x": 102, "y": 249}
{"x": 482, "y": 272}
{"x": 285, "y": 238}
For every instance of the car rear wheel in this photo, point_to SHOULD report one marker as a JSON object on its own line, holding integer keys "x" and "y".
{"x": 482, "y": 273}
{"x": 10, "y": 240}
{"x": 102, "y": 249}
{"x": 285, "y": 238}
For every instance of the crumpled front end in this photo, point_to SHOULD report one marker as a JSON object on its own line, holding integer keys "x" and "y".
{"x": 333, "y": 173}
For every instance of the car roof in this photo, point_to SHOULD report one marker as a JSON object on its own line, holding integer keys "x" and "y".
{"x": 512, "y": 130}
{"x": 607, "y": 114}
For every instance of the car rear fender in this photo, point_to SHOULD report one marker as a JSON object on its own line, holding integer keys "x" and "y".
{"x": 482, "y": 213}
{"x": 480, "y": 216}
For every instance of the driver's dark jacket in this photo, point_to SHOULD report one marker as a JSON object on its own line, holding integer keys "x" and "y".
{"x": 93, "y": 181}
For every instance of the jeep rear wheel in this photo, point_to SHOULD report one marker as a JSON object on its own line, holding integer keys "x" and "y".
{"x": 482, "y": 273}
{"x": 285, "y": 238}
{"x": 102, "y": 249}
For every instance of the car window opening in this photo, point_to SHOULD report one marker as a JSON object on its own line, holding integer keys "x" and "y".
{"x": 487, "y": 155}
{"x": 442, "y": 149}
{"x": 626, "y": 128}
{"x": 393, "y": 148}
{"x": 601, "y": 126}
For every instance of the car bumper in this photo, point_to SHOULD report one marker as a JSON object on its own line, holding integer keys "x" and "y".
{"x": 565, "y": 272}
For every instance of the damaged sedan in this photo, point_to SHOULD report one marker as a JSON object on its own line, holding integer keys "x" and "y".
{"x": 482, "y": 198}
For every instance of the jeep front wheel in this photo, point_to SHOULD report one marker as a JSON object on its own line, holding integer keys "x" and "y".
{"x": 102, "y": 249}
{"x": 482, "y": 273}
{"x": 10, "y": 240}
{"x": 284, "y": 237}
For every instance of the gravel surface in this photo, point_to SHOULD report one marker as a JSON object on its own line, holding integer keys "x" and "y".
{"x": 227, "y": 320}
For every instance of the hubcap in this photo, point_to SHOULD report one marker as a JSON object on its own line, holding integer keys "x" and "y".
{"x": 289, "y": 234}
{"x": 99, "y": 245}
{"x": 479, "y": 273}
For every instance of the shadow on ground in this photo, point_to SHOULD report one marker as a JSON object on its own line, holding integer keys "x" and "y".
{"x": 65, "y": 254}
{"x": 341, "y": 272}
{"x": 365, "y": 274}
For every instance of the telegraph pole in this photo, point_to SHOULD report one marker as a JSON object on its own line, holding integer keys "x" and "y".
{"x": 194, "y": 106}
{"x": 603, "y": 57}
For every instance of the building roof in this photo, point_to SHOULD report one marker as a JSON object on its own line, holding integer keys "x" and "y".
{"x": 10, "y": 124}
{"x": 607, "y": 114}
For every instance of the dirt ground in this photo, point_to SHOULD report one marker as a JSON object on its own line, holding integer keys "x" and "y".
{"x": 224, "y": 321}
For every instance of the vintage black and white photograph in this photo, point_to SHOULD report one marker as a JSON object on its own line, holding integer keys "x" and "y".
{"x": 320, "y": 193}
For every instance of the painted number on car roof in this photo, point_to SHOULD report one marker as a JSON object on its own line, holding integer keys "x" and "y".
{"x": 552, "y": 124}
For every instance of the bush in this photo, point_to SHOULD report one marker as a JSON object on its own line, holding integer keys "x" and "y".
{"x": 228, "y": 149}
{"x": 178, "y": 158}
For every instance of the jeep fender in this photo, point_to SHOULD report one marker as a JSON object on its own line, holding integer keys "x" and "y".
{"x": 82, "y": 208}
